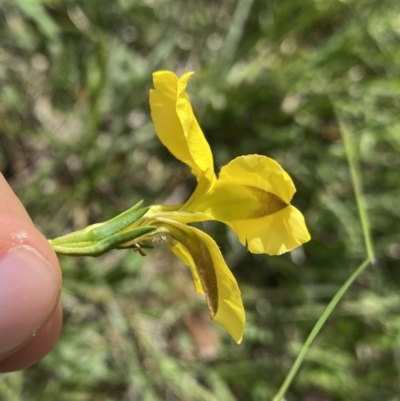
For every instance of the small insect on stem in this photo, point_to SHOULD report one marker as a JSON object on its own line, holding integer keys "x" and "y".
{"x": 137, "y": 248}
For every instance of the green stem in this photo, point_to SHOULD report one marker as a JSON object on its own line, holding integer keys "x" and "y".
{"x": 357, "y": 185}
{"x": 321, "y": 321}
{"x": 362, "y": 210}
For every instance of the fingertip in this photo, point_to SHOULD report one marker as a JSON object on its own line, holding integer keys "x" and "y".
{"x": 30, "y": 286}
{"x": 16, "y": 231}
{"x": 30, "y": 283}
{"x": 38, "y": 345}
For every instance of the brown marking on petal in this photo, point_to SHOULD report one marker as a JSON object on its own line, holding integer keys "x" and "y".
{"x": 239, "y": 202}
{"x": 204, "y": 263}
{"x": 269, "y": 202}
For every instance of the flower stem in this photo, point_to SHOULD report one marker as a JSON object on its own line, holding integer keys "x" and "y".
{"x": 357, "y": 185}
{"x": 321, "y": 321}
{"x": 362, "y": 210}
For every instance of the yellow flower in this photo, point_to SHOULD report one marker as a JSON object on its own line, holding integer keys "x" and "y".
{"x": 251, "y": 195}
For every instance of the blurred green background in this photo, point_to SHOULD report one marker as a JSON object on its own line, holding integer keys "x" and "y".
{"x": 78, "y": 146}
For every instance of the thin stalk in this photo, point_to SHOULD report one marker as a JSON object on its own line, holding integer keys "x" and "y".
{"x": 357, "y": 185}
{"x": 362, "y": 210}
{"x": 314, "y": 332}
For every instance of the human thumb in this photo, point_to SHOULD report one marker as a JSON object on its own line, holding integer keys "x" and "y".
{"x": 30, "y": 281}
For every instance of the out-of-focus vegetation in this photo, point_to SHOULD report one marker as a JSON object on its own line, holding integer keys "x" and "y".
{"x": 78, "y": 146}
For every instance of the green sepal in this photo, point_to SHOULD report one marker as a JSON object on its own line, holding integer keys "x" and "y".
{"x": 100, "y": 231}
{"x": 99, "y": 238}
{"x": 93, "y": 248}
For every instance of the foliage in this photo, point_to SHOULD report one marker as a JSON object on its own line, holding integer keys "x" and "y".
{"x": 78, "y": 147}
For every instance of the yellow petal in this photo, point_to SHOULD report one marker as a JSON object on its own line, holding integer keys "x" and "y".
{"x": 260, "y": 172}
{"x": 228, "y": 201}
{"x": 252, "y": 196}
{"x": 183, "y": 254}
{"x": 201, "y": 254}
{"x": 248, "y": 187}
{"x": 176, "y": 125}
{"x": 274, "y": 234}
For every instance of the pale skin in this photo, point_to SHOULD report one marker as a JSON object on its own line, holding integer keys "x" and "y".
{"x": 30, "y": 287}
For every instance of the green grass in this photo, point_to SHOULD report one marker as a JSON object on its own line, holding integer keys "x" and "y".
{"x": 78, "y": 147}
